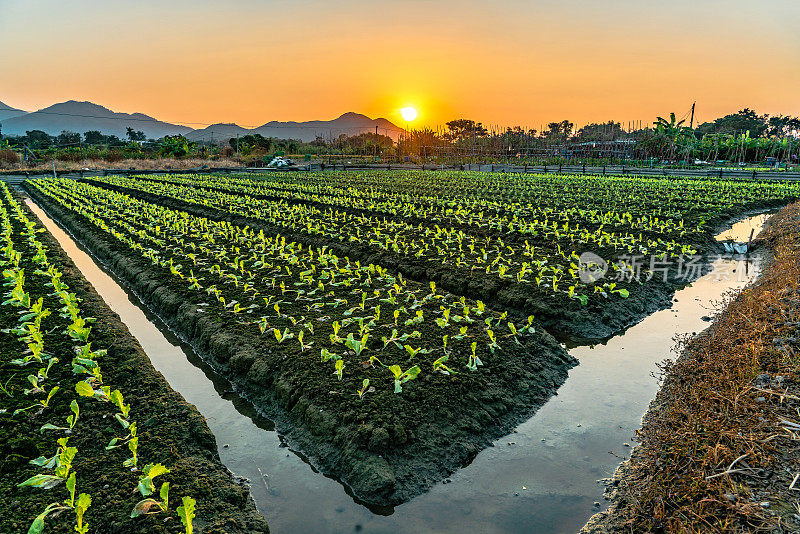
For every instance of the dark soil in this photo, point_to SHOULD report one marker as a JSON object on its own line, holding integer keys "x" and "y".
{"x": 386, "y": 448}
{"x": 171, "y": 432}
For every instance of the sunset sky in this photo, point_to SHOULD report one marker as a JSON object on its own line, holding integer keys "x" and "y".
{"x": 505, "y": 62}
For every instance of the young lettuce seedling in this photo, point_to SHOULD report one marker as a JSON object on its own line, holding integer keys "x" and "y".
{"x": 401, "y": 377}
{"x": 282, "y": 336}
{"x": 186, "y": 513}
{"x": 493, "y": 345}
{"x": 357, "y": 346}
{"x": 365, "y": 388}
{"x": 72, "y": 419}
{"x": 439, "y": 365}
{"x": 303, "y": 346}
{"x": 133, "y": 446}
{"x": 338, "y": 368}
{"x": 147, "y": 488}
{"x": 83, "y": 504}
{"x": 474, "y": 361}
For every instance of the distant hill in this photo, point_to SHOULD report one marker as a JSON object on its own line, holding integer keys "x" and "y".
{"x": 82, "y": 117}
{"x": 6, "y": 112}
{"x": 348, "y": 124}
{"x": 220, "y": 132}
{"x": 85, "y": 116}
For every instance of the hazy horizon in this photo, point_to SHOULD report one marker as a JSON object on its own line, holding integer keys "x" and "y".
{"x": 514, "y": 63}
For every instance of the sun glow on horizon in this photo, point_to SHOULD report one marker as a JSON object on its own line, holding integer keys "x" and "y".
{"x": 409, "y": 113}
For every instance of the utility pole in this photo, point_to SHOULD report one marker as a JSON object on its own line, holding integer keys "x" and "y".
{"x": 691, "y": 121}
{"x": 237, "y": 145}
{"x": 376, "y": 142}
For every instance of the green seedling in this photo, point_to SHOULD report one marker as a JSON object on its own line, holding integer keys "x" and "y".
{"x": 37, "y": 526}
{"x": 357, "y": 346}
{"x": 415, "y": 320}
{"x": 83, "y": 504}
{"x": 73, "y": 419}
{"x": 493, "y": 345}
{"x": 413, "y": 352}
{"x": 78, "y": 329}
{"x": 528, "y": 328}
{"x": 61, "y": 463}
{"x": 474, "y": 361}
{"x": 328, "y": 355}
{"x": 439, "y": 366}
{"x": 6, "y": 389}
{"x": 303, "y": 346}
{"x": 36, "y": 388}
{"x": 263, "y": 325}
{"x": 282, "y": 336}
{"x": 133, "y": 446}
{"x": 399, "y": 340}
{"x": 444, "y": 321}
{"x": 42, "y": 404}
{"x": 147, "y": 488}
{"x": 462, "y": 333}
{"x": 186, "y": 513}
{"x": 338, "y": 368}
{"x": 118, "y": 442}
{"x": 365, "y": 388}
{"x": 401, "y": 377}
{"x": 85, "y": 389}
{"x": 145, "y": 505}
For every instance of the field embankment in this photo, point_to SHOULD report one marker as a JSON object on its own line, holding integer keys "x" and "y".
{"x": 170, "y": 431}
{"x": 719, "y": 446}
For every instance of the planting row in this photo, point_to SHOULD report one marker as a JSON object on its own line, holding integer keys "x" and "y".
{"x": 539, "y": 265}
{"x": 51, "y": 368}
{"x": 352, "y": 317}
{"x": 632, "y": 204}
{"x": 667, "y": 207}
{"x": 383, "y": 373}
{"x": 521, "y": 232}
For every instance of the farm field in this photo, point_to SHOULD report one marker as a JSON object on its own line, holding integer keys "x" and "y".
{"x": 512, "y": 242}
{"x": 394, "y": 323}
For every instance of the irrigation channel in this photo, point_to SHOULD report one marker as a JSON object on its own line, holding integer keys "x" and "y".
{"x": 544, "y": 477}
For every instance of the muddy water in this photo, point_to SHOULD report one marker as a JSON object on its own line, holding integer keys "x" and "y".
{"x": 741, "y": 231}
{"x": 542, "y": 478}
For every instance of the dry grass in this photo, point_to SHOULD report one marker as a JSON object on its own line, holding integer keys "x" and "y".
{"x": 8, "y": 157}
{"x": 713, "y": 446}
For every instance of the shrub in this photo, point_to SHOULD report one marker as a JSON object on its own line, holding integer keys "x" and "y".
{"x": 9, "y": 156}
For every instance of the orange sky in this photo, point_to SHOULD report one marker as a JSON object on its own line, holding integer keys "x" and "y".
{"x": 501, "y": 62}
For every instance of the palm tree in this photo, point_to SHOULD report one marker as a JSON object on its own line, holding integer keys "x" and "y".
{"x": 674, "y": 133}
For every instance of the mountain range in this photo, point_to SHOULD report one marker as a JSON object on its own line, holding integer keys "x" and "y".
{"x": 82, "y": 117}
{"x": 7, "y": 112}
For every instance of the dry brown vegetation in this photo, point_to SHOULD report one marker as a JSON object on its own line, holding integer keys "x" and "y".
{"x": 8, "y": 157}
{"x": 719, "y": 447}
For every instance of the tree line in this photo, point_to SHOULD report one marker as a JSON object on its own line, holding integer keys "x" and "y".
{"x": 740, "y": 137}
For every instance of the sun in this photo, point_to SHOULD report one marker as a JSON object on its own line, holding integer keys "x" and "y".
{"x": 409, "y": 113}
